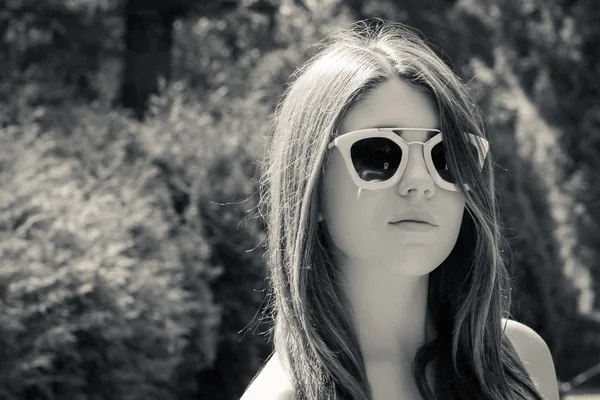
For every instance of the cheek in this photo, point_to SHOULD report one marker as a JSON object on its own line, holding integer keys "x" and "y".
{"x": 452, "y": 222}
{"x": 450, "y": 211}
{"x": 351, "y": 220}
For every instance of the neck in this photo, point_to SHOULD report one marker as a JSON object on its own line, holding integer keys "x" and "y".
{"x": 390, "y": 311}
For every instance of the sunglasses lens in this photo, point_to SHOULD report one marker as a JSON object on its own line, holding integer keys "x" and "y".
{"x": 375, "y": 159}
{"x": 438, "y": 155}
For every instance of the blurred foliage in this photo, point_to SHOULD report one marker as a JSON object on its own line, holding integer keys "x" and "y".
{"x": 131, "y": 262}
{"x": 543, "y": 298}
{"x": 55, "y": 49}
{"x": 100, "y": 288}
{"x": 561, "y": 70}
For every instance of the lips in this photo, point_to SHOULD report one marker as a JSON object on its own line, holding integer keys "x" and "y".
{"x": 414, "y": 215}
{"x": 410, "y": 220}
{"x": 409, "y": 226}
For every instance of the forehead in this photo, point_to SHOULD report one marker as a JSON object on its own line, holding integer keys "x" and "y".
{"x": 394, "y": 103}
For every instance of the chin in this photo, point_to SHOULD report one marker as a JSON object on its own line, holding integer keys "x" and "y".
{"x": 411, "y": 271}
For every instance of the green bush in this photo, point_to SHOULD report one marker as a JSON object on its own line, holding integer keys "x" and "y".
{"x": 100, "y": 286}
{"x": 542, "y": 296}
{"x": 212, "y": 160}
{"x": 580, "y": 348}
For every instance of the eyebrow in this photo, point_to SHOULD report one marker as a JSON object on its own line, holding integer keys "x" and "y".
{"x": 430, "y": 134}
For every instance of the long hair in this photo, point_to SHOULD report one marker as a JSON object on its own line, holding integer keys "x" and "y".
{"x": 469, "y": 293}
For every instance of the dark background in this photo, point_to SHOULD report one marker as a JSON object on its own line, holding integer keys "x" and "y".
{"x": 131, "y": 259}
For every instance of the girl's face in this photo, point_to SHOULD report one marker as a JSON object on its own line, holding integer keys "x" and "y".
{"x": 360, "y": 226}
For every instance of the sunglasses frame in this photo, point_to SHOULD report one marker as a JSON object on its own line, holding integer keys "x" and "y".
{"x": 344, "y": 144}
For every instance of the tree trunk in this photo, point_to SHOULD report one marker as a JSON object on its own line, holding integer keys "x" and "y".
{"x": 148, "y": 42}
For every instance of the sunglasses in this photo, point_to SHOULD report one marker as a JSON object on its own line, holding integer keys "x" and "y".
{"x": 376, "y": 158}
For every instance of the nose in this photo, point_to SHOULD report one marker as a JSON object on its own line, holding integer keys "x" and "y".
{"x": 416, "y": 177}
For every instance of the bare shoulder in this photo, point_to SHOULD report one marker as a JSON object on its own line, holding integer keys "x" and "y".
{"x": 535, "y": 354}
{"x": 272, "y": 382}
